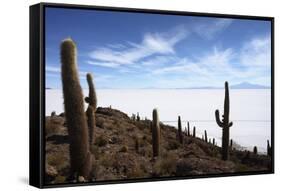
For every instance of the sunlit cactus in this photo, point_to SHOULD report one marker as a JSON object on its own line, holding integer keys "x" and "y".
{"x": 155, "y": 133}
{"x": 80, "y": 156}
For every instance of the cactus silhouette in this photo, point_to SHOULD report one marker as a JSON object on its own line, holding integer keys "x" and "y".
{"x": 206, "y": 137}
{"x": 80, "y": 156}
{"x": 214, "y": 141}
{"x": 269, "y": 150}
{"x": 194, "y": 132}
{"x": 155, "y": 133}
{"x": 188, "y": 129}
{"x": 255, "y": 150}
{"x": 231, "y": 144}
{"x": 92, "y": 107}
{"x": 180, "y": 131}
{"x": 138, "y": 117}
{"x": 224, "y": 124}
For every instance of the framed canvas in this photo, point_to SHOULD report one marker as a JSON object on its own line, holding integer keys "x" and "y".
{"x": 123, "y": 95}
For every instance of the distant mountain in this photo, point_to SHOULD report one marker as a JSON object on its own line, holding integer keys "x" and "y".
{"x": 247, "y": 85}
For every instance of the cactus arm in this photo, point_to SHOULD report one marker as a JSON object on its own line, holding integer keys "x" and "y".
{"x": 230, "y": 124}
{"x": 217, "y": 114}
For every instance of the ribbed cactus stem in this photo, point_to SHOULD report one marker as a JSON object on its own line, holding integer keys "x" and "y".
{"x": 91, "y": 110}
{"x": 180, "y": 131}
{"x": 92, "y": 98}
{"x": 80, "y": 156}
{"x": 155, "y": 133}
{"x": 224, "y": 124}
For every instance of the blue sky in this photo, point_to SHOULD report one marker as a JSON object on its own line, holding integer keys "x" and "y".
{"x": 129, "y": 50}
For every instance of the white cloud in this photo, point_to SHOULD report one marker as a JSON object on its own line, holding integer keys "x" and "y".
{"x": 257, "y": 52}
{"x": 152, "y": 43}
{"x": 208, "y": 30}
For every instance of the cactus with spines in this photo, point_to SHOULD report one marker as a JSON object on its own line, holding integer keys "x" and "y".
{"x": 180, "y": 131}
{"x": 255, "y": 150}
{"x": 225, "y": 124}
{"x": 80, "y": 156}
{"x": 206, "y": 136}
{"x": 269, "y": 149}
{"x": 188, "y": 129}
{"x": 185, "y": 131}
{"x": 194, "y": 132}
{"x": 91, "y": 110}
{"x": 92, "y": 98}
{"x": 214, "y": 141}
{"x": 155, "y": 133}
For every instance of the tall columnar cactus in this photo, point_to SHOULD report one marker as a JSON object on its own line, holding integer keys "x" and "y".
{"x": 92, "y": 107}
{"x": 155, "y": 133}
{"x": 224, "y": 124}
{"x": 92, "y": 98}
{"x": 269, "y": 150}
{"x": 194, "y": 132}
{"x": 180, "y": 131}
{"x": 80, "y": 156}
{"x": 138, "y": 117}
{"x": 188, "y": 129}
{"x": 206, "y": 136}
{"x": 214, "y": 141}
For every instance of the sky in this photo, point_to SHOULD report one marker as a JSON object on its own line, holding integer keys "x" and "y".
{"x": 135, "y": 50}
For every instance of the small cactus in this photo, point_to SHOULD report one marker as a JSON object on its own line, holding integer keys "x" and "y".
{"x": 155, "y": 133}
{"x": 231, "y": 144}
{"x": 188, "y": 129}
{"x": 80, "y": 156}
{"x": 224, "y": 124}
{"x": 194, "y": 132}
{"x": 214, "y": 141}
{"x": 180, "y": 131}
{"x": 206, "y": 136}
{"x": 138, "y": 117}
{"x": 269, "y": 149}
{"x": 255, "y": 150}
{"x": 53, "y": 114}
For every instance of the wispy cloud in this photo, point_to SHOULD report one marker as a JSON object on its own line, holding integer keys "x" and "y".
{"x": 208, "y": 30}
{"x": 151, "y": 44}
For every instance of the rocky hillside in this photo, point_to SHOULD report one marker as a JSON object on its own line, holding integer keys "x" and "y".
{"x": 123, "y": 150}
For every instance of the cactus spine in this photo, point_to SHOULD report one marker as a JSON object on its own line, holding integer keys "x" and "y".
{"x": 224, "y": 124}
{"x": 92, "y": 107}
{"x": 80, "y": 156}
{"x": 180, "y": 131}
{"x": 155, "y": 133}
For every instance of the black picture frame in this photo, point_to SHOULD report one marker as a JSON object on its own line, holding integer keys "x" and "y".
{"x": 37, "y": 91}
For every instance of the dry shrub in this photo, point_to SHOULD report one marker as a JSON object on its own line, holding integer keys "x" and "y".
{"x": 166, "y": 165}
{"x": 124, "y": 149}
{"x": 101, "y": 141}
